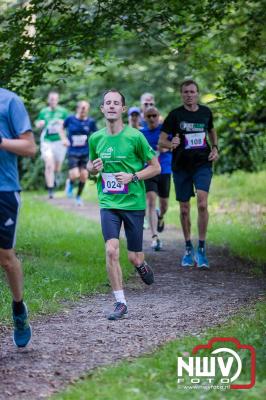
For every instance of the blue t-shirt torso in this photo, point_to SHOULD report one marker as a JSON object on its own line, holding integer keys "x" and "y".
{"x": 78, "y": 133}
{"x": 152, "y": 136}
{"x": 14, "y": 120}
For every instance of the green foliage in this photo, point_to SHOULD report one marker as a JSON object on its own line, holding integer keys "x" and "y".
{"x": 155, "y": 376}
{"x": 150, "y": 46}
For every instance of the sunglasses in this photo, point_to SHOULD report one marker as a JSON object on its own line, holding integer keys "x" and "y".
{"x": 152, "y": 116}
{"x": 148, "y": 104}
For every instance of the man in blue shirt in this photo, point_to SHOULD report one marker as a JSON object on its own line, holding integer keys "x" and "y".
{"x": 79, "y": 128}
{"x": 16, "y": 138}
{"x": 158, "y": 185}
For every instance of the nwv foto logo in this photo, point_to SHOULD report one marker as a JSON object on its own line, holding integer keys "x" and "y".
{"x": 223, "y": 362}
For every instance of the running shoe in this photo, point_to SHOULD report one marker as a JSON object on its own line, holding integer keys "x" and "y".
{"x": 156, "y": 244}
{"x": 79, "y": 201}
{"x": 69, "y": 189}
{"x": 188, "y": 258}
{"x": 119, "y": 312}
{"x": 201, "y": 259}
{"x": 160, "y": 224}
{"x": 22, "y": 328}
{"x": 146, "y": 273}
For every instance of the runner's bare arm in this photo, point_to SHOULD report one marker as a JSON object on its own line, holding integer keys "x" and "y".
{"x": 151, "y": 170}
{"x": 62, "y": 134}
{"x": 213, "y": 156}
{"x": 23, "y": 146}
{"x": 95, "y": 166}
{"x": 169, "y": 144}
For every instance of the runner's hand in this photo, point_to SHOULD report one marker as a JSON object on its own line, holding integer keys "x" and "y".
{"x": 175, "y": 142}
{"x": 66, "y": 142}
{"x": 97, "y": 164}
{"x": 123, "y": 177}
{"x": 213, "y": 156}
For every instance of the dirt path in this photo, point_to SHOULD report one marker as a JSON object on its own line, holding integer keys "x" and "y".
{"x": 182, "y": 301}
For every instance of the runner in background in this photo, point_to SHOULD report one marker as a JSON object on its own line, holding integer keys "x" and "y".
{"x": 79, "y": 127}
{"x": 146, "y": 100}
{"x": 119, "y": 153}
{"x": 157, "y": 186}
{"x": 16, "y": 139}
{"x": 134, "y": 117}
{"x": 53, "y": 143}
{"x": 191, "y": 125}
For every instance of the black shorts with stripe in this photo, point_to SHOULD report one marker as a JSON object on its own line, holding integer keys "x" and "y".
{"x": 9, "y": 209}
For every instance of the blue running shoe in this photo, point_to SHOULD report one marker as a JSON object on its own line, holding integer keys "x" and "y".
{"x": 79, "y": 201}
{"x": 188, "y": 258}
{"x": 201, "y": 259}
{"x": 119, "y": 312}
{"x": 22, "y": 328}
{"x": 69, "y": 189}
{"x": 156, "y": 244}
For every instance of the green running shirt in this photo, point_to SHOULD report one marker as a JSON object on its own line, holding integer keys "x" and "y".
{"x": 51, "y": 128}
{"x": 127, "y": 151}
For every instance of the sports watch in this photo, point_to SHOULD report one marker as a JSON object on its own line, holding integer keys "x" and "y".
{"x": 135, "y": 178}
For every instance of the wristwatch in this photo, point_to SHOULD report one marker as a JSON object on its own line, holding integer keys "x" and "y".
{"x": 215, "y": 145}
{"x": 135, "y": 178}
{"x": 1, "y": 138}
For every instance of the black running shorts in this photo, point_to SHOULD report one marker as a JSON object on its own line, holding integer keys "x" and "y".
{"x": 111, "y": 221}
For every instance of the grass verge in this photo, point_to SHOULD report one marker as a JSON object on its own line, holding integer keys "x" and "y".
{"x": 154, "y": 377}
{"x": 62, "y": 255}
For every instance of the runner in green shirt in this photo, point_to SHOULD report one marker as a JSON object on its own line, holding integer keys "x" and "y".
{"x": 53, "y": 141}
{"x": 119, "y": 153}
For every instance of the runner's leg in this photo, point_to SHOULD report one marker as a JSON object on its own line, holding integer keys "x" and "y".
{"x": 13, "y": 270}
{"x": 203, "y": 214}
{"x": 185, "y": 219}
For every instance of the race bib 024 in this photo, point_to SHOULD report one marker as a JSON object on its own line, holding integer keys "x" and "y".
{"x": 111, "y": 186}
{"x": 195, "y": 140}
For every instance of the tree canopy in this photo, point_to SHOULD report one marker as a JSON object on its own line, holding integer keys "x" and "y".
{"x": 82, "y": 47}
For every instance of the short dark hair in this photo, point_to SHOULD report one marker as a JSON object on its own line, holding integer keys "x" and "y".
{"x": 114, "y": 91}
{"x": 189, "y": 82}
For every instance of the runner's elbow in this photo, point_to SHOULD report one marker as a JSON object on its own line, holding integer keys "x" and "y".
{"x": 32, "y": 150}
{"x": 157, "y": 169}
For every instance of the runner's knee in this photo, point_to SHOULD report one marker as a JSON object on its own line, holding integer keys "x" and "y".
{"x": 202, "y": 206}
{"x": 83, "y": 175}
{"x": 112, "y": 251}
{"x": 151, "y": 200}
{"x": 74, "y": 174}
{"x": 49, "y": 165}
{"x": 7, "y": 259}
{"x": 184, "y": 210}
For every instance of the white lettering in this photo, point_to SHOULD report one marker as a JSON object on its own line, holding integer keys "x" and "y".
{"x": 181, "y": 364}
{"x": 203, "y": 368}
{"x": 225, "y": 369}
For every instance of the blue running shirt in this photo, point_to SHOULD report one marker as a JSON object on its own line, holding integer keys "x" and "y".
{"x": 14, "y": 120}
{"x": 152, "y": 136}
{"x": 78, "y": 133}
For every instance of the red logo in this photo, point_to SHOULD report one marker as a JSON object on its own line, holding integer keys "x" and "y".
{"x": 239, "y": 346}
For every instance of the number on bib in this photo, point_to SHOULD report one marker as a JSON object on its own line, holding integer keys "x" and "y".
{"x": 111, "y": 186}
{"x": 195, "y": 140}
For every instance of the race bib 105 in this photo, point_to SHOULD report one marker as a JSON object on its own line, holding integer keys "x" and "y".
{"x": 195, "y": 140}
{"x": 111, "y": 186}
